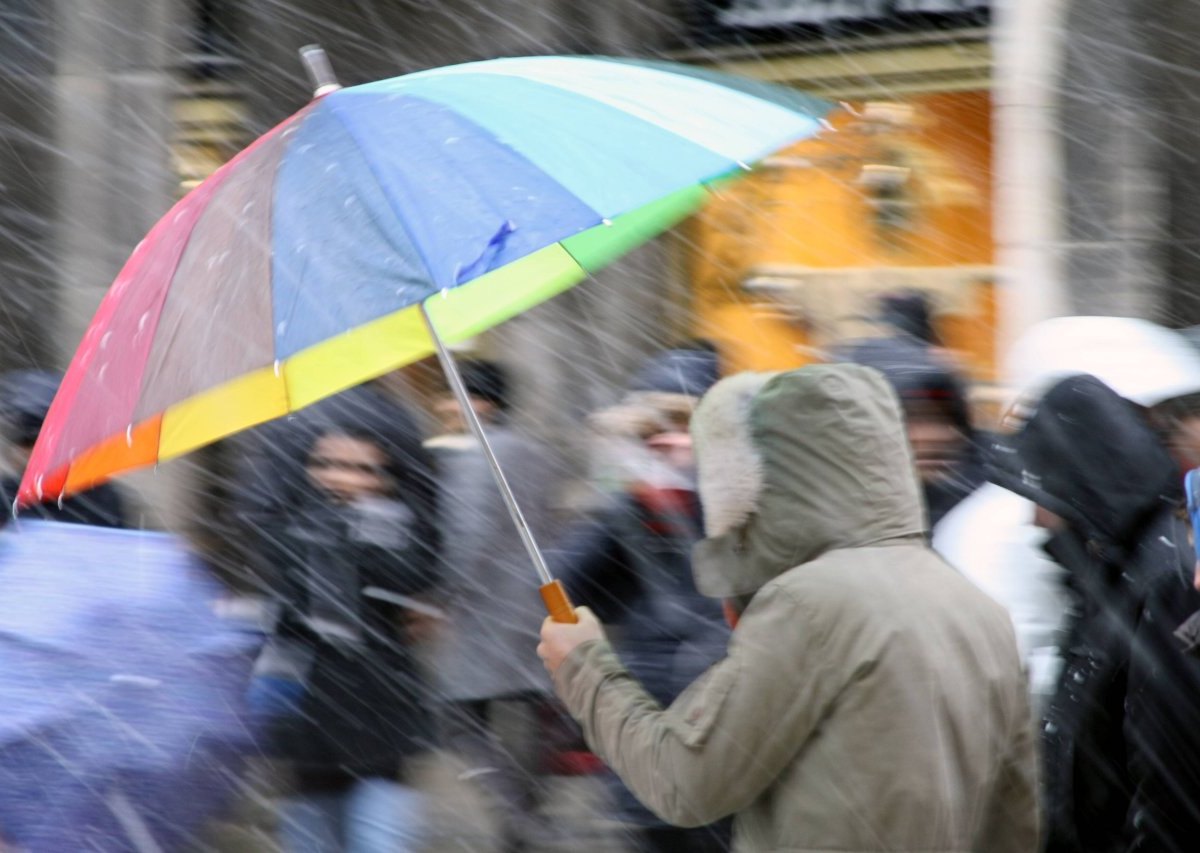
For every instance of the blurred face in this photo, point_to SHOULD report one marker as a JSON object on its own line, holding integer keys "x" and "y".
{"x": 937, "y": 442}
{"x": 1047, "y": 520}
{"x": 1184, "y": 441}
{"x": 449, "y": 413}
{"x": 673, "y": 448}
{"x": 348, "y": 469}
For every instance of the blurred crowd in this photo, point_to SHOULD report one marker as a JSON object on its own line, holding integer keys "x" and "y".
{"x": 398, "y": 612}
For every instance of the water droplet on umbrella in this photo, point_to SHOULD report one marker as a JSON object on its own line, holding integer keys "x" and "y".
{"x": 743, "y": 165}
{"x": 305, "y": 148}
{"x": 100, "y": 373}
{"x": 179, "y": 215}
{"x": 331, "y": 167}
{"x": 288, "y": 131}
{"x": 827, "y": 124}
{"x": 281, "y": 328}
{"x": 348, "y": 202}
{"x": 142, "y": 321}
{"x": 606, "y": 222}
{"x": 278, "y": 368}
{"x": 37, "y": 486}
{"x": 60, "y": 501}
{"x": 247, "y": 206}
{"x": 129, "y": 436}
{"x": 104, "y": 340}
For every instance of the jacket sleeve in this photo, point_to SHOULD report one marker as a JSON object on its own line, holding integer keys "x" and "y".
{"x": 1011, "y": 824}
{"x": 1162, "y": 723}
{"x": 729, "y": 735}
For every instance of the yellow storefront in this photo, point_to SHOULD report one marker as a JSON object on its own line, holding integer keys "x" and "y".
{"x": 897, "y": 194}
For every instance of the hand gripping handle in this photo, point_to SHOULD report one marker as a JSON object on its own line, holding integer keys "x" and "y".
{"x": 557, "y": 604}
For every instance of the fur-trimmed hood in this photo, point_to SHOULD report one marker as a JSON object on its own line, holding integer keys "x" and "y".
{"x": 795, "y": 464}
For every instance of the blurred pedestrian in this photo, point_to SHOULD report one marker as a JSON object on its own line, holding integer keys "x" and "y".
{"x": 25, "y": 398}
{"x": 338, "y": 688}
{"x": 990, "y": 536}
{"x": 496, "y": 693}
{"x": 1124, "y": 713}
{"x": 909, "y": 314}
{"x": 871, "y": 698}
{"x": 946, "y": 449}
{"x": 1178, "y": 418}
{"x": 631, "y": 560}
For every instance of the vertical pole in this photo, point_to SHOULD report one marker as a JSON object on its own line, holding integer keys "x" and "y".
{"x": 1029, "y": 202}
{"x": 553, "y": 594}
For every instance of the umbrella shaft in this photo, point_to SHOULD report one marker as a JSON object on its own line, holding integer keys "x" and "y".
{"x": 454, "y": 378}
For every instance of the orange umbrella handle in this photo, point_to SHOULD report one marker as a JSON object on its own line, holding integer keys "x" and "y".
{"x": 557, "y": 604}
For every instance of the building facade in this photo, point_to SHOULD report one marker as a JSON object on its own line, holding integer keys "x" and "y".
{"x": 931, "y": 177}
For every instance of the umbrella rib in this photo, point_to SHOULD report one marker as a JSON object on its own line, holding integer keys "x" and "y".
{"x": 390, "y": 201}
{"x": 281, "y": 132}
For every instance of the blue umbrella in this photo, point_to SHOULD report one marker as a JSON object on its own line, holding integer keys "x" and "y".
{"x": 121, "y": 725}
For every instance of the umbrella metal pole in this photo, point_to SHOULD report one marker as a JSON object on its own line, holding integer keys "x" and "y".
{"x": 553, "y": 594}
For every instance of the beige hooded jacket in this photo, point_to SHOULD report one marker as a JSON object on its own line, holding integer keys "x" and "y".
{"x": 871, "y": 698}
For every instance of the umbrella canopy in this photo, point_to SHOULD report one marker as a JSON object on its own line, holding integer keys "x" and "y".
{"x": 299, "y": 268}
{"x": 120, "y": 690}
{"x": 1142, "y": 361}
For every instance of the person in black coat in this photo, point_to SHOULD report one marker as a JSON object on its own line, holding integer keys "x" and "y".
{"x": 630, "y": 560}
{"x": 25, "y": 398}
{"x": 1121, "y": 735}
{"x": 948, "y": 452}
{"x": 338, "y": 691}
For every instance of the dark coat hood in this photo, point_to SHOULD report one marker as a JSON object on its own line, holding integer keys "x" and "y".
{"x": 1092, "y": 458}
{"x": 690, "y": 372}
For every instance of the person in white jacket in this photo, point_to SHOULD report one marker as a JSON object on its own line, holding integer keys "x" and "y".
{"x": 990, "y": 537}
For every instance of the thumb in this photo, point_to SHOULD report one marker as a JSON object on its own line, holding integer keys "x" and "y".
{"x": 585, "y": 613}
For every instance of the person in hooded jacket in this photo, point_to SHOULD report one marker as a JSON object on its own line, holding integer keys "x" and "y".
{"x": 25, "y": 398}
{"x": 348, "y": 542}
{"x": 1121, "y": 735}
{"x": 631, "y": 560}
{"x": 870, "y": 698}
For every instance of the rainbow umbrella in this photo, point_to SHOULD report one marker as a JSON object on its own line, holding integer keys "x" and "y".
{"x": 312, "y": 261}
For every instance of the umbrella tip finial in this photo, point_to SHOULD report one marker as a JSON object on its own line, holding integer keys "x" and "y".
{"x": 320, "y": 71}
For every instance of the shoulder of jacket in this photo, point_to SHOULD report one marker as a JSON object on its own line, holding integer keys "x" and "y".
{"x": 845, "y": 572}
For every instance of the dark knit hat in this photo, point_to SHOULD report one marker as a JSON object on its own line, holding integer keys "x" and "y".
{"x": 909, "y": 313}
{"x": 487, "y": 381}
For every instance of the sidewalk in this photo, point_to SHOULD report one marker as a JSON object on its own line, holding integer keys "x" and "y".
{"x": 576, "y": 807}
